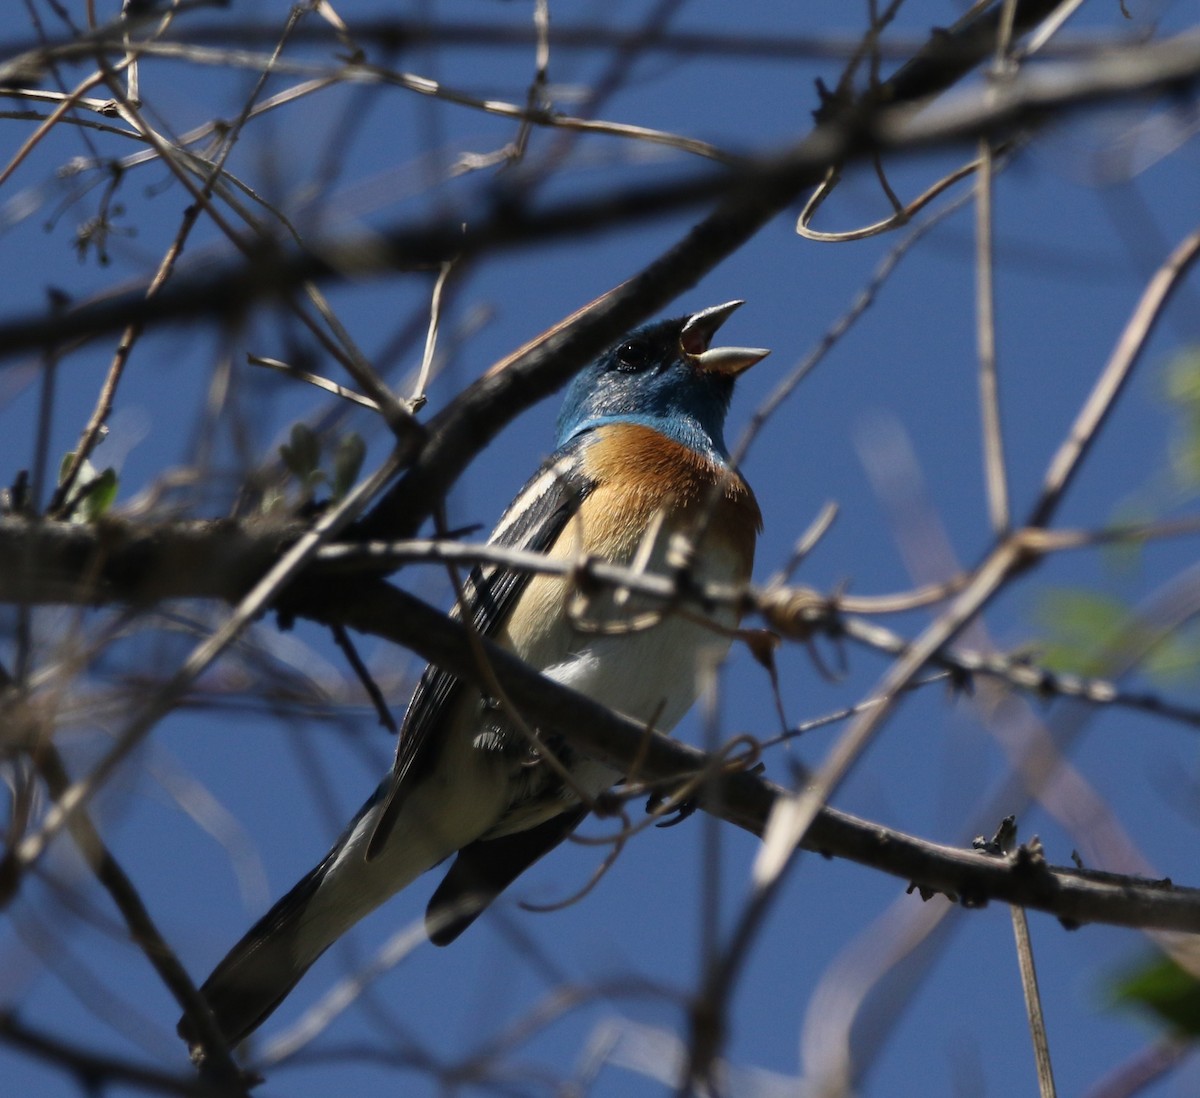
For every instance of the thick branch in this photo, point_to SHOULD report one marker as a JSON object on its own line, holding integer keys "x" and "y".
{"x": 136, "y": 563}
{"x": 745, "y": 799}
{"x": 115, "y": 561}
{"x": 96, "y": 1072}
{"x": 759, "y": 190}
{"x": 141, "y": 564}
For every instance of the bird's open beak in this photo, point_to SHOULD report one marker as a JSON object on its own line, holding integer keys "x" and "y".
{"x": 694, "y": 340}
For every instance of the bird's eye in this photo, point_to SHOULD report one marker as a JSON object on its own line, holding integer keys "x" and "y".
{"x": 632, "y": 355}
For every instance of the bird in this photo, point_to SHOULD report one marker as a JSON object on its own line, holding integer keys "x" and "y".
{"x": 640, "y": 460}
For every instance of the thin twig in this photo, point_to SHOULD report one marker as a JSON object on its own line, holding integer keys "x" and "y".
{"x": 93, "y": 430}
{"x": 202, "y": 656}
{"x": 95, "y": 425}
{"x": 1173, "y": 64}
{"x": 1003, "y": 844}
{"x": 219, "y": 1066}
{"x": 343, "y": 641}
{"x": 418, "y": 398}
{"x": 94, "y": 1071}
{"x": 1033, "y": 1003}
{"x": 187, "y": 560}
{"x": 313, "y": 379}
{"x": 345, "y": 351}
{"x": 894, "y": 220}
{"x": 995, "y": 476}
{"x": 1108, "y": 387}
{"x": 745, "y": 799}
{"x": 64, "y": 106}
{"x": 995, "y": 473}
{"x": 1007, "y": 558}
{"x": 361, "y": 72}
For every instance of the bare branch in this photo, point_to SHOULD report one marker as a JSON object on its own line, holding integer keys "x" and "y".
{"x": 1152, "y": 69}
{"x": 95, "y": 1071}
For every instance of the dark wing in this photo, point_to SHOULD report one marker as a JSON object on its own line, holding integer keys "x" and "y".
{"x": 486, "y": 868}
{"x": 533, "y": 522}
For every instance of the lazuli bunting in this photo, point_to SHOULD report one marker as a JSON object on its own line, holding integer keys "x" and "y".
{"x": 640, "y": 460}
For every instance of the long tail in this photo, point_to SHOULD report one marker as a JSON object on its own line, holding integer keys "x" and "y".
{"x": 259, "y": 972}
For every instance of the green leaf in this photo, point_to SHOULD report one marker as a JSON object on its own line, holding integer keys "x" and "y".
{"x": 1183, "y": 379}
{"x": 1167, "y": 991}
{"x": 347, "y": 462}
{"x": 1183, "y": 391}
{"x": 273, "y": 502}
{"x": 1082, "y": 628}
{"x": 92, "y": 492}
{"x": 99, "y": 494}
{"x": 1079, "y": 626}
{"x": 1175, "y": 658}
{"x": 87, "y": 472}
{"x": 1125, "y": 556}
{"x": 302, "y": 453}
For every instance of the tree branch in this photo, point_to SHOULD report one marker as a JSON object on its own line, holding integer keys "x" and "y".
{"x": 744, "y": 799}
{"x": 751, "y": 195}
{"x": 96, "y": 1072}
{"x": 118, "y": 560}
{"x": 1075, "y": 896}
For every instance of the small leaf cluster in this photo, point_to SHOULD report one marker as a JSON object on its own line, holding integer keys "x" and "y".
{"x": 302, "y": 456}
{"x": 93, "y": 492}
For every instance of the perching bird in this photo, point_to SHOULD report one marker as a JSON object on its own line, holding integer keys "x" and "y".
{"x": 640, "y": 458}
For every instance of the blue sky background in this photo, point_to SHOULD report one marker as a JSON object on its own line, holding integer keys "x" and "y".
{"x": 1075, "y": 242}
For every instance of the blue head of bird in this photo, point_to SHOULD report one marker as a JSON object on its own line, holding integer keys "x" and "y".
{"x": 666, "y": 376}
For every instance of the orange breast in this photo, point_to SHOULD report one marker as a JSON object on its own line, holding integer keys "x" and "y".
{"x": 638, "y": 472}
